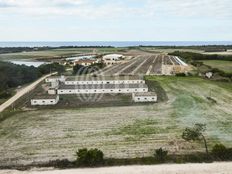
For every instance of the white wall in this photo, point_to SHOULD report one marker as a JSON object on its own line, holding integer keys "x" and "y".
{"x": 43, "y": 102}
{"x": 101, "y": 91}
{"x": 144, "y": 98}
{"x": 105, "y": 82}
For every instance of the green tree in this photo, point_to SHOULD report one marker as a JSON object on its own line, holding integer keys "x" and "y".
{"x": 92, "y": 157}
{"x": 220, "y": 151}
{"x": 196, "y": 134}
{"x": 160, "y": 154}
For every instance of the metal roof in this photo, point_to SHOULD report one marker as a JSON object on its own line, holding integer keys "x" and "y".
{"x": 102, "y": 86}
{"x": 145, "y": 94}
{"x": 102, "y": 78}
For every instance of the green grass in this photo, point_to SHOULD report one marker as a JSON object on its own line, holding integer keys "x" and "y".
{"x": 225, "y": 66}
{"x": 122, "y": 132}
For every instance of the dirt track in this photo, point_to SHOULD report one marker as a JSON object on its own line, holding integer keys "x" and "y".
{"x": 211, "y": 168}
{"x": 22, "y": 92}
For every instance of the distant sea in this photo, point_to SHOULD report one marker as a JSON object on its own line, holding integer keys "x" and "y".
{"x": 114, "y": 43}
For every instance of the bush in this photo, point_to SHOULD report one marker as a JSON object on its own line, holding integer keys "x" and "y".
{"x": 92, "y": 157}
{"x": 161, "y": 154}
{"x": 219, "y": 151}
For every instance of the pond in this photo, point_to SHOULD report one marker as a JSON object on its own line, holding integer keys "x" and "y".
{"x": 28, "y": 62}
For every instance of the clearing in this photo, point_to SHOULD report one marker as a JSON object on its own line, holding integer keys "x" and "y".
{"x": 125, "y": 131}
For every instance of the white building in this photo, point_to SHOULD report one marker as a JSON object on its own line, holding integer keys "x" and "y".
{"x": 55, "y": 79}
{"x": 144, "y": 97}
{"x": 102, "y": 88}
{"x": 85, "y": 80}
{"x": 45, "y": 100}
{"x": 112, "y": 59}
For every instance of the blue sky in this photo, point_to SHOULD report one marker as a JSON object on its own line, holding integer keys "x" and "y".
{"x": 111, "y": 20}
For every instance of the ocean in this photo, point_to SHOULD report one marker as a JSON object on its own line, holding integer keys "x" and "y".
{"x": 114, "y": 43}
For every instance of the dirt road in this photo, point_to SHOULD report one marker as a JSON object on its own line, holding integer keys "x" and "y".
{"x": 22, "y": 92}
{"x": 211, "y": 168}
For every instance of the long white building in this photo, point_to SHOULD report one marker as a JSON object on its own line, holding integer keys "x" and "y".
{"x": 102, "y": 88}
{"x": 83, "y": 80}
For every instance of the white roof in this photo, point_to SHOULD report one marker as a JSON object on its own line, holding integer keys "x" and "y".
{"x": 109, "y": 56}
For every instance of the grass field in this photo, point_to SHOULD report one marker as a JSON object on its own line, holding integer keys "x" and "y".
{"x": 225, "y": 66}
{"x": 53, "y": 53}
{"x": 126, "y": 131}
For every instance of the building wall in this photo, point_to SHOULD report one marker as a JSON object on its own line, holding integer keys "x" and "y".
{"x": 105, "y": 82}
{"x": 44, "y": 102}
{"x": 144, "y": 98}
{"x": 101, "y": 91}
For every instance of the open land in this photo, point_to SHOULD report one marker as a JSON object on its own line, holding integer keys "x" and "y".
{"x": 225, "y": 66}
{"x": 125, "y": 131}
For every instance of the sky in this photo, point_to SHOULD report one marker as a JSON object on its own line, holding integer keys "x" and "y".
{"x": 115, "y": 20}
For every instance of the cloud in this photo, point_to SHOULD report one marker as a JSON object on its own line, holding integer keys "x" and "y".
{"x": 120, "y": 8}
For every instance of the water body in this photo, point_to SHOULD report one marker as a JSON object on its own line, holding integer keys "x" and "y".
{"x": 28, "y": 63}
{"x": 114, "y": 43}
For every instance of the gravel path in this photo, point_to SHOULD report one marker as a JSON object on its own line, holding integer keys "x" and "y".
{"x": 211, "y": 168}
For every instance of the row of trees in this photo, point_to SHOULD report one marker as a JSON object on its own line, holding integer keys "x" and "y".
{"x": 190, "y": 56}
{"x": 12, "y": 75}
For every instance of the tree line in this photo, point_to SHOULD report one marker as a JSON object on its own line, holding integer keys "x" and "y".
{"x": 12, "y": 75}
{"x": 190, "y": 56}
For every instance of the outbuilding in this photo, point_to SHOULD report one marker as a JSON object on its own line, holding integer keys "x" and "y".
{"x": 144, "y": 97}
{"x": 43, "y": 100}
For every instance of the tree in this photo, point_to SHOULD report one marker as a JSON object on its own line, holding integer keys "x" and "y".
{"x": 196, "y": 134}
{"x": 220, "y": 151}
{"x": 161, "y": 154}
{"x": 92, "y": 157}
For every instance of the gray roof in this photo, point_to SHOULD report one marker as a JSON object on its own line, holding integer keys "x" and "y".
{"x": 102, "y": 86}
{"x": 145, "y": 94}
{"x": 102, "y": 78}
{"x": 44, "y": 97}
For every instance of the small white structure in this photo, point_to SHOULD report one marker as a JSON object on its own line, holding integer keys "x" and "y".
{"x": 209, "y": 75}
{"x": 44, "y": 100}
{"x": 55, "y": 79}
{"x": 112, "y": 59}
{"x": 102, "y": 89}
{"x": 144, "y": 97}
{"x": 51, "y": 91}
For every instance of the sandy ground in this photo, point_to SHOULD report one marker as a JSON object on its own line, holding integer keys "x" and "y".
{"x": 212, "y": 168}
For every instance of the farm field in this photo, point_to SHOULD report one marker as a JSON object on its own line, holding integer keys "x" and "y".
{"x": 125, "y": 131}
{"x": 146, "y": 65}
{"x": 225, "y": 66}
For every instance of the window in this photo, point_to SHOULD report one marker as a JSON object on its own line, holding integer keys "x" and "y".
{"x": 95, "y": 90}
{"x": 70, "y": 91}
{"x": 43, "y": 101}
{"x": 153, "y": 98}
{"x": 119, "y": 90}
{"x": 138, "y": 98}
{"x": 35, "y": 101}
{"x": 145, "y": 98}
{"x": 51, "y": 101}
{"x": 108, "y": 82}
{"x": 135, "y": 89}
{"x": 143, "y": 89}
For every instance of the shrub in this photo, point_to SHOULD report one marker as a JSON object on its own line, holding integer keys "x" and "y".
{"x": 92, "y": 157}
{"x": 219, "y": 151}
{"x": 161, "y": 154}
